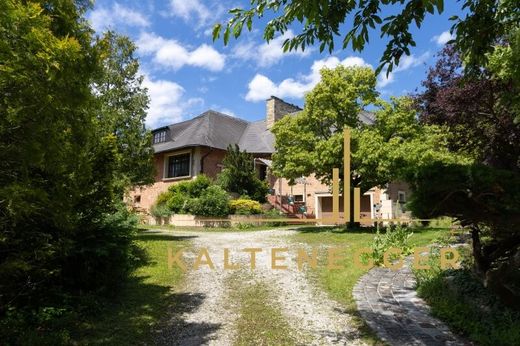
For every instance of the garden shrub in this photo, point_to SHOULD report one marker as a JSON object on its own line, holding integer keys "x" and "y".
{"x": 274, "y": 214}
{"x": 196, "y": 187}
{"x": 178, "y": 203}
{"x": 160, "y": 210}
{"x": 182, "y": 197}
{"x": 394, "y": 237}
{"x": 460, "y": 299}
{"x": 239, "y": 175}
{"x": 212, "y": 202}
{"x": 245, "y": 207}
{"x": 163, "y": 198}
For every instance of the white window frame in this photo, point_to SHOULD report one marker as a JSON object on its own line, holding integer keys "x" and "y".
{"x": 162, "y": 136}
{"x": 167, "y": 159}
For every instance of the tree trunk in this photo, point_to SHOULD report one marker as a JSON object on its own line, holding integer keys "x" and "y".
{"x": 481, "y": 263}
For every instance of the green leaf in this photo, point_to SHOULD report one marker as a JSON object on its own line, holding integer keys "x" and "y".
{"x": 226, "y": 35}
{"x": 216, "y": 31}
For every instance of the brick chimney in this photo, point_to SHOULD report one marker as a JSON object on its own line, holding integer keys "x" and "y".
{"x": 276, "y": 108}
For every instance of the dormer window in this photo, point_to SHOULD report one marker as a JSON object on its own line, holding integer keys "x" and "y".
{"x": 159, "y": 137}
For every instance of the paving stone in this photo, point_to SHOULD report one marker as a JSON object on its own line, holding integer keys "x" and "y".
{"x": 388, "y": 302}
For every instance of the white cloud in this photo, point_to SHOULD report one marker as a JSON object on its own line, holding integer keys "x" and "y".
{"x": 103, "y": 18}
{"x": 170, "y": 53}
{"x": 267, "y": 54}
{"x": 261, "y": 87}
{"x": 443, "y": 38}
{"x": 406, "y": 63}
{"x": 166, "y": 102}
{"x": 410, "y": 61}
{"x": 383, "y": 80}
{"x": 188, "y": 9}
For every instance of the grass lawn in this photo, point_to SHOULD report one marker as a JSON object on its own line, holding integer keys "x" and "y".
{"x": 340, "y": 282}
{"x": 261, "y": 322}
{"x": 143, "y": 301}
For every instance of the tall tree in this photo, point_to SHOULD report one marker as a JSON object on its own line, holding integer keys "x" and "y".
{"x": 483, "y": 25}
{"x": 312, "y": 140}
{"x": 239, "y": 175}
{"x": 122, "y": 109}
{"x": 480, "y": 112}
{"x": 384, "y": 147}
{"x": 62, "y": 231}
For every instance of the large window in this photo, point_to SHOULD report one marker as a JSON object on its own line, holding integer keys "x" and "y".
{"x": 178, "y": 166}
{"x": 159, "y": 136}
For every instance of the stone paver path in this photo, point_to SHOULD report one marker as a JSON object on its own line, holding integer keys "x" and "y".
{"x": 388, "y": 302}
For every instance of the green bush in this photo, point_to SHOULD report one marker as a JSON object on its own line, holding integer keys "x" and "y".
{"x": 239, "y": 175}
{"x": 275, "y": 214}
{"x": 196, "y": 187}
{"x": 394, "y": 237}
{"x": 181, "y": 197}
{"x": 459, "y": 298}
{"x": 160, "y": 210}
{"x": 245, "y": 207}
{"x": 178, "y": 203}
{"x": 212, "y": 202}
{"x": 163, "y": 198}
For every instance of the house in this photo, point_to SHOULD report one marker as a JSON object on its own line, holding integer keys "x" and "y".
{"x": 198, "y": 146}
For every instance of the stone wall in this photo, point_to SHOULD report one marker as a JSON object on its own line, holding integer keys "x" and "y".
{"x": 185, "y": 220}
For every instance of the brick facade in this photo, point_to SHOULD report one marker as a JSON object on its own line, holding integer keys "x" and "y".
{"x": 203, "y": 160}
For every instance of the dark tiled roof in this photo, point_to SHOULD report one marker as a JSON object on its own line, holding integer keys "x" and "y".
{"x": 257, "y": 138}
{"x": 211, "y": 129}
{"x": 218, "y": 130}
{"x": 367, "y": 117}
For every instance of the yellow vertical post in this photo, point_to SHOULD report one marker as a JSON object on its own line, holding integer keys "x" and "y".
{"x": 346, "y": 174}
{"x": 357, "y": 202}
{"x": 335, "y": 195}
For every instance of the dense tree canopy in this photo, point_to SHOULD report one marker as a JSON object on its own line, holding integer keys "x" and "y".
{"x": 122, "y": 109}
{"x": 485, "y": 22}
{"x": 63, "y": 231}
{"x": 383, "y": 149}
{"x": 481, "y": 113}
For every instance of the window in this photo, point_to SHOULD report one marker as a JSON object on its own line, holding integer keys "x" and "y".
{"x": 262, "y": 172}
{"x": 178, "y": 166}
{"x": 298, "y": 198}
{"x": 401, "y": 197}
{"x": 159, "y": 136}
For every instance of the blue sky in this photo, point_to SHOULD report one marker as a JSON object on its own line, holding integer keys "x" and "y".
{"x": 187, "y": 73}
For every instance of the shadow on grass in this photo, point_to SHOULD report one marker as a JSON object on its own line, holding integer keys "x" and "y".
{"x": 128, "y": 319}
{"x": 147, "y": 310}
{"x": 175, "y": 330}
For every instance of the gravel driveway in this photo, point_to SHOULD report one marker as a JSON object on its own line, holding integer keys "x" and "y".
{"x": 206, "y": 312}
